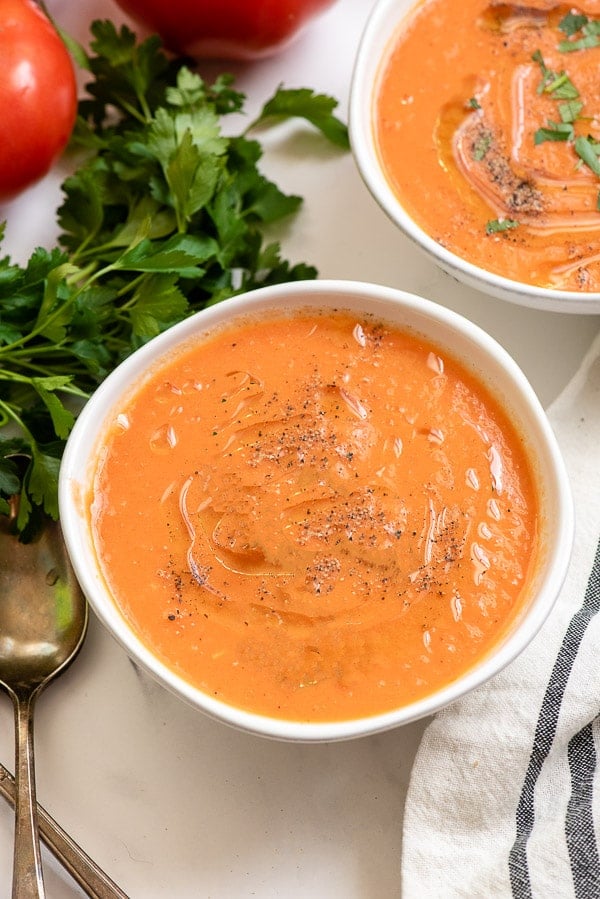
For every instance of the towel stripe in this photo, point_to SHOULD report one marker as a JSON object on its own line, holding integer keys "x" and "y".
{"x": 579, "y": 823}
{"x": 546, "y": 730}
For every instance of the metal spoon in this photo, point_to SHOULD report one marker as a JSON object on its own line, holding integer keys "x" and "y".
{"x": 93, "y": 880}
{"x": 43, "y": 621}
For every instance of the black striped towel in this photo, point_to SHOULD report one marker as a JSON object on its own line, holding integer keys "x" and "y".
{"x": 504, "y": 797}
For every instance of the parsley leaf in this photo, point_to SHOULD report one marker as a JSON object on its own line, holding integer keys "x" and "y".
{"x": 588, "y": 150}
{"x": 569, "y": 112}
{"x": 47, "y": 388}
{"x": 304, "y": 103}
{"x": 556, "y": 131}
{"x": 571, "y": 23}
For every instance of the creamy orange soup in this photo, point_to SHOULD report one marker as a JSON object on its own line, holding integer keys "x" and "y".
{"x": 488, "y": 120}
{"x": 315, "y": 516}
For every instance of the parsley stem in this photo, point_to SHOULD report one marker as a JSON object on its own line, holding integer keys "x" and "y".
{"x": 95, "y": 253}
{"x": 130, "y": 288}
{"x": 13, "y": 376}
{"x": 52, "y": 317}
{"x": 556, "y": 83}
{"x": 80, "y": 253}
{"x": 11, "y": 414}
{"x": 37, "y": 331}
{"x": 144, "y": 117}
{"x": 56, "y": 351}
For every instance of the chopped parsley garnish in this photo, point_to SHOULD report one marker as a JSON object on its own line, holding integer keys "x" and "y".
{"x": 556, "y": 83}
{"x": 570, "y": 111}
{"x": 496, "y": 226}
{"x": 588, "y": 150}
{"x": 555, "y": 131}
{"x": 573, "y": 24}
{"x": 474, "y": 103}
{"x": 581, "y": 33}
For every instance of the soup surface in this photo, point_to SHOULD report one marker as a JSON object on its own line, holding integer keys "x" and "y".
{"x": 315, "y": 517}
{"x": 488, "y": 120}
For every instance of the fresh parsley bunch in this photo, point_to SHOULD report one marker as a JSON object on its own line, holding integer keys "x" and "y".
{"x": 163, "y": 215}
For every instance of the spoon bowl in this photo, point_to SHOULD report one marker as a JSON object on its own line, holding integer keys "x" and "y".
{"x": 43, "y": 622}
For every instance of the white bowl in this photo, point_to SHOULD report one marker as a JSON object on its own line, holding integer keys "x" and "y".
{"x": 384, "y": 23}
{"x": 453, "y": 333}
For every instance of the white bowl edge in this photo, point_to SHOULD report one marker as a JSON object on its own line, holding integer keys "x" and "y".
{"x": 398, "y": 307}
{"x": 376, "y": 41}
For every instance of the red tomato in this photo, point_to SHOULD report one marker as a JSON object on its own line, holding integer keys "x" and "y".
{"x": 38, "y": 95}
{"x": 225, "y": 29}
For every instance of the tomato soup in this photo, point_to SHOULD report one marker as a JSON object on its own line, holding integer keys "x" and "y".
{"x": 315, "y": 516}
{"x": 487, "y": 120}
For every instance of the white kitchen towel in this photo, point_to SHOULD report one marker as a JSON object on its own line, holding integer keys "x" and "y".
{"x": 504, "y": 797}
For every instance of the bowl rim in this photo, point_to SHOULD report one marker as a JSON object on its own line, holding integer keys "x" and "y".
{"x": 83, "y": 443}
{"x": 375, "y": 43}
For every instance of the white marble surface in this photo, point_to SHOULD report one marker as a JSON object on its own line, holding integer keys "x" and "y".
{"x": 169, "y": 802}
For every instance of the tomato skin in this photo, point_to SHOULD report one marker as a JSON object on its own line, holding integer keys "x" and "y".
{"x": 225, "y": 29}
{"x": 38, "y": 96}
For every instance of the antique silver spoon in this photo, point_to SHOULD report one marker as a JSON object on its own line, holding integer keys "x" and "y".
{"x": 84, "y": 870}
{"x": 43, "y": 622}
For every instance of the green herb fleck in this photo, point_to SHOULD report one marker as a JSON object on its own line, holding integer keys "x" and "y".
{"x": 556, "y": 83}
{"x": 584, "y": 43}
{"x": 588, "y": 149}
{"x": 482, "y": 145}
{"x": 556, "y": 131}
{"x": 589, "y": 28}
{"x": 562, "y": 88}
{"x": 496, "y": 226}
{"x": 569, "y": 112}
{"x": 572, "y": 23}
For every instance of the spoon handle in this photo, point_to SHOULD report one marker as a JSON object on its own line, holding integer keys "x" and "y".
{"x": 80, "y": 866}
{"x": 28, "y": 880}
